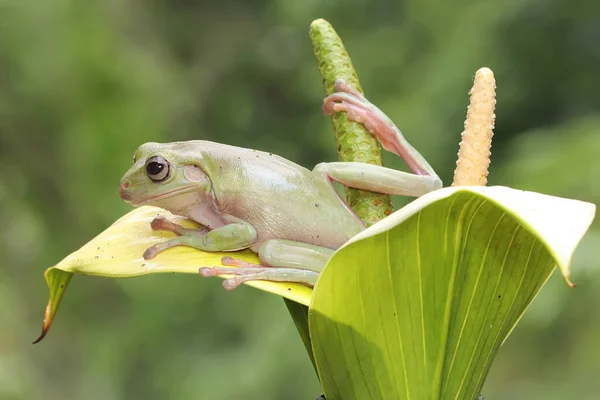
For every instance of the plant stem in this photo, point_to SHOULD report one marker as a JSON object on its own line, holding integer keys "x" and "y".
{"x": 354, "y": 142}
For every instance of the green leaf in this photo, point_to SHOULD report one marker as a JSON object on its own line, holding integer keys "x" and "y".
{"x": 117, "y": 253}
{"x": 299, "y": 313}
{"x": 417, "y": 306}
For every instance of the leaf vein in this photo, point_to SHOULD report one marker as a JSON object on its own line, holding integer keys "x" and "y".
{"x": 397, "y": 317}
{"x": 421, "y": 292}
{"x": 487, "y": 312}
{"x": 464, "y": 245}
{"x": 510, "y": 308}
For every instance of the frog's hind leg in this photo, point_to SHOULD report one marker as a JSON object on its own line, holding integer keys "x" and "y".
{"x": 359, "y": 109}
{"x": 282, "y": 261}
{"x": 255, "y": 272}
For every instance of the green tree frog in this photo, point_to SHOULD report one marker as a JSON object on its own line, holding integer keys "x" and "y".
{"x": 248, "y": 199}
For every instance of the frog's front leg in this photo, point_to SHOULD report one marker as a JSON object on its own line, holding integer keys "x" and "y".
{"x": 235, "y": 234}
{"x": 282, "y": 261}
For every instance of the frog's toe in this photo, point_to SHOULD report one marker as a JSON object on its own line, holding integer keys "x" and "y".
{"x": 160, "y": 223}
{"x": 242, "y": 274}
{"x": 151, "y": 252}
{"x": 341, "y": 86}
{"x": 234, "y": 262}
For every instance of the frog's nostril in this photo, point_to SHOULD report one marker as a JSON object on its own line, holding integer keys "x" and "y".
{"x": 123, "y": 190}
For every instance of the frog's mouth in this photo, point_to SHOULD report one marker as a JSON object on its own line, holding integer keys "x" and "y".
{"x": 131, "y": 199}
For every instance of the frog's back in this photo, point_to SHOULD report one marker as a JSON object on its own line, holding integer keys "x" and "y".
{"x": 280, "y": 198}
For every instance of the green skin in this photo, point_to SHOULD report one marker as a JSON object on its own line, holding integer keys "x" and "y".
{"x": 291, "y": 216}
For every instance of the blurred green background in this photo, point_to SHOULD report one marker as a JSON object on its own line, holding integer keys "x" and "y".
{"x": 83, "y": 83}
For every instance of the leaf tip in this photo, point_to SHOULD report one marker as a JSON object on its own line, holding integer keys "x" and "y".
{"x": 46, "y": 324}
{"x": 57, "y": 281}
{"x": 42, "y": 336}
{"x": 566, "y": 273}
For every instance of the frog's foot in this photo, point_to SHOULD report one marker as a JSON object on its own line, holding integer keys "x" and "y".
{"x": 160, "y": 223}
{"x": 153, "y": 251}
{"x": 246, "y": 271}
{"x": 187, "y": 236}
{"x": 359, "y": 109}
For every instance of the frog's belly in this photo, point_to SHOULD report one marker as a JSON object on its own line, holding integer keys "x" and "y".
{"x": 326, "y": 229}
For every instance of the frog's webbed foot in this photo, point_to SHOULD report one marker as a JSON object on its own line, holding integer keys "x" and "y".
{"x": 186, "y": 236}
{"x": 246, "y": 271}
{"x": 359, "y": 109}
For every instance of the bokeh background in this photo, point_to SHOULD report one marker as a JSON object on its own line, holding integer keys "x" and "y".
{"x": 83, "y": 83}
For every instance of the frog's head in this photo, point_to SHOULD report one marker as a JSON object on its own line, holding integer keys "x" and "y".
{"x": 165, "y": 176}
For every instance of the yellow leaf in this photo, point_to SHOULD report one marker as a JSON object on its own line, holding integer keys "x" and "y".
{"x": 117, "y": 253}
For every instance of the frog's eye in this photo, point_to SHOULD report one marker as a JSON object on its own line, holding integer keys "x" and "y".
{"x": 157, "y": 168}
